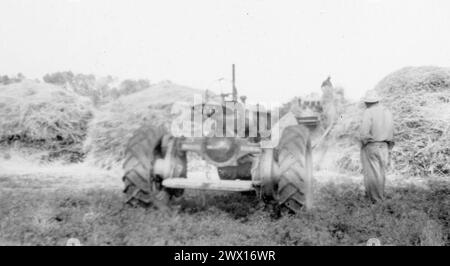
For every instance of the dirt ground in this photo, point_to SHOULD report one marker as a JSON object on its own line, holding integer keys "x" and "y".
{"x": 48, "y": 204}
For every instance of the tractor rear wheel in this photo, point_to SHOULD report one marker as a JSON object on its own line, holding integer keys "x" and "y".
{"x": 295, "y": 169}
{"x": 142, "y": 188}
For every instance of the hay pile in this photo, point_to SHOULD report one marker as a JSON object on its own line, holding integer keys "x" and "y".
{"x": 115, "y": 122}
{"x": 419, "y": 98}
{"x": 347, "y": 139}
{"x": 44, "y": 117}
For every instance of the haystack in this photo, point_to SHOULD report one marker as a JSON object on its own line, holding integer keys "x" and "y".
{"x": 419, "y": 98}
{"x": 44, "y": 117}
{"x": 114, "y": 124}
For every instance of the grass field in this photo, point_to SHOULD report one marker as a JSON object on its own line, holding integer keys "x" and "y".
{"x": 47, "y": 205}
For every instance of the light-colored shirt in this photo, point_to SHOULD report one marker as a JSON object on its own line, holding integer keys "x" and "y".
{"x": 377, "y": 124}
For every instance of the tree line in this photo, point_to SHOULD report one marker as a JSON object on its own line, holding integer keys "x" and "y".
{"x": 99, "y": 89}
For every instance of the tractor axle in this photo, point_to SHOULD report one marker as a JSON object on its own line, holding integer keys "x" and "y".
{"x": 219, "y": 185}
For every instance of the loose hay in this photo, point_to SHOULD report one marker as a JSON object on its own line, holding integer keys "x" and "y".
{"x": 419, "y": 98}
{"x": 43, "y": 116}
{"x": 116, "y": 122}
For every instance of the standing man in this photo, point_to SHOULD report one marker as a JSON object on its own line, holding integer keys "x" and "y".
{"x": 377, "y": 130}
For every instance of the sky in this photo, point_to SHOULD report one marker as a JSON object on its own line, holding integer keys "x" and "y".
{"x": 281, "y": 48}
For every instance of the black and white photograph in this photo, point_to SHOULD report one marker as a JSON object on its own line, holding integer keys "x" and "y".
{"x": 242, "y": 125}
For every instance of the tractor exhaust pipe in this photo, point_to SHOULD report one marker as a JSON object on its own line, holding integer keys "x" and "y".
{"x": 234, "y": 84}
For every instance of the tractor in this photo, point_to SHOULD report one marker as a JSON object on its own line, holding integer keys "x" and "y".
{"x": 155, "y": 166}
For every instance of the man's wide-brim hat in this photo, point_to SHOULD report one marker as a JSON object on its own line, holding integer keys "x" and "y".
{"x": 371, "y": 97}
